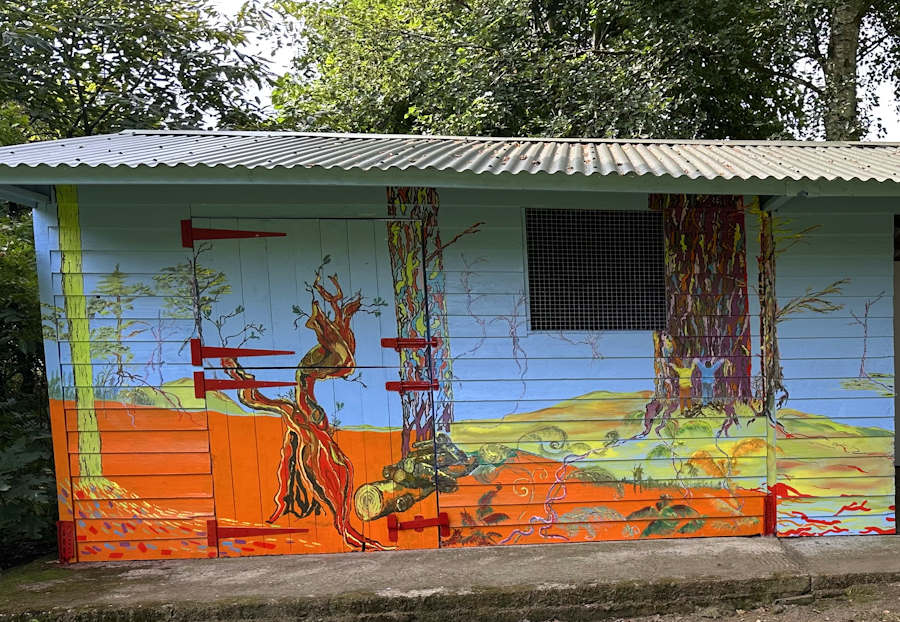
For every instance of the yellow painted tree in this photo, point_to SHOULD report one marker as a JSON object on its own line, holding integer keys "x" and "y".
{"x": 79, "y": 331}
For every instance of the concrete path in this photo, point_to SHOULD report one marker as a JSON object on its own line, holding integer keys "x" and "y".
{"x": 565, "y": 582}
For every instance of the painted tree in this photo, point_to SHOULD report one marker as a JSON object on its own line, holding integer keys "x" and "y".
{"x": 703, "y": 356}
{"x": 78, "y": 331}
{"x": 191, "y": 290}
{"x": 417, "y": 264}
{"x": 777, "y": 235}
{"x": 314, "y": 473}
{"x": 114, "y": 298}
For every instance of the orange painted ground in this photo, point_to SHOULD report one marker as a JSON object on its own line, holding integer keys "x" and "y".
{"x": 167, "y": 473}
{"x": 528, "y": 500}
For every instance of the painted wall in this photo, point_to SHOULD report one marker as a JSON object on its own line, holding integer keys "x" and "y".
{"x": 540, "y": 437}
{"x": 835, "y": 335}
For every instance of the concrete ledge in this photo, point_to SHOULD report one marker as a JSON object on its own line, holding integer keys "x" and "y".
{"x": 567, "y": 582}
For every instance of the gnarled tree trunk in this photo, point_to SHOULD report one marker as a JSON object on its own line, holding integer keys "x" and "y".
{"x": 703, "y": 357}
{"x": 314, "y": 472}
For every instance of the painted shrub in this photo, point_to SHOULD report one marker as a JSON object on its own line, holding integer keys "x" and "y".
{"x": 764, "y": 390}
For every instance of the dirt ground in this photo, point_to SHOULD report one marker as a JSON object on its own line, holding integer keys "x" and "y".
{"x": 864, "y": 603}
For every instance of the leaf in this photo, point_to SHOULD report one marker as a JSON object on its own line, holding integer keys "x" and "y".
{"x": 746, "y": 447}
{"x": 660, "y": 528}
{"x": 493, "y": 519}
{"x": 680, "y": 510}
{"x": 692, "y": 526}
{"x": 703, "y": 461}
{"x": 660, "y": 451}
{"x": 487, "y": 498}
{"x": 647, "y": 512}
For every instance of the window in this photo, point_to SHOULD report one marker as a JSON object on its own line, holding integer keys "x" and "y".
{"x": 595, "y": 270}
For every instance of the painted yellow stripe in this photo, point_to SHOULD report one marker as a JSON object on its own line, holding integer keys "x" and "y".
{"x": 75, "y": 307}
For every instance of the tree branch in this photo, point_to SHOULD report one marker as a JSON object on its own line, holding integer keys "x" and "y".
{"x": 440, "y": 249}
{"x": 252, "y": 398}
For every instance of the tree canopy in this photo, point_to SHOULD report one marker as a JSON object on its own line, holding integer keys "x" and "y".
{"x": 537, "y": 67}
{"x": 664, "y": 68}
{"x": 81, "y": 67}
{"x": 845, "y": 49}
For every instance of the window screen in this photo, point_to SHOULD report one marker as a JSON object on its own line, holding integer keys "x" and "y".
{"x": 595, "y": 270}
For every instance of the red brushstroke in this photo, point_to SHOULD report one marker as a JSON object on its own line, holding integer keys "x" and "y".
{"x": 815, "y": 521}
{"x": 806, "y": 531}
{"x": 878, "y": 530}
{"x": 263, "y": 545}
{"x": 800, "y": 531}
{"x": 834, "y": 530}
{"x": 783, "y": 491}
{"x": 855, "y": 507}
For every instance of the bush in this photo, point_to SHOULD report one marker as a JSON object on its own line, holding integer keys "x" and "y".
{"x": 27, "y": 490}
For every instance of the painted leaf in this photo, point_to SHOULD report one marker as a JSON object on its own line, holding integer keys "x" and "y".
{"x": 748, "y": 446}
{"x": 660, "y": 451}
{"x": 467, "y": 519}
{"x": 704, "y": 461}
{"x": 660, "y": 528}
{"x": 680, "y": 510}
{"x": 495, "y": 518}
{"x": 643, "y": 513}
{"x": 487, "y": 498}
{"x": 692, "y": 525}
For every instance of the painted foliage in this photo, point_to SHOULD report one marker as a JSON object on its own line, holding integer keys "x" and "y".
{"x": 322, "y": 438}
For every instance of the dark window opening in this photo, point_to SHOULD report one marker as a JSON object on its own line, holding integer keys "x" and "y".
{"x": 595, "y": 270}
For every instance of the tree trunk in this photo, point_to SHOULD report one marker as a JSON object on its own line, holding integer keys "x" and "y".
{"x": 841, "y": 105}
{"x": 89, "y": 458}
{"x": 421, "y": 309}
{"x": 702, "y": 359}
{"x": 770, "y": 363}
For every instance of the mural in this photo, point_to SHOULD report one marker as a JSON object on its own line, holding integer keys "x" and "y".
{"x": 314, "y": 473}
{"x": 367, "y": 386}
{"x": 703, "y": 357}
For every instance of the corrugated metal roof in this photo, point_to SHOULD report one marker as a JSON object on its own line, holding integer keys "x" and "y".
{"x": 362, "y": 152}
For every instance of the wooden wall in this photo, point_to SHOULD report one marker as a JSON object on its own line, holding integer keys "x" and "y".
{"x": 552, "y": 425}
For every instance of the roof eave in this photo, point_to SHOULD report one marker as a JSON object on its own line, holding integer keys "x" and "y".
{"x": 224, "y": 175}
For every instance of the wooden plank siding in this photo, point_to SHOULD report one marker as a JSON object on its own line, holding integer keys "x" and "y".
{"x": 153, "y": 491}
{"x": 835, "y": 453}
{"x": 547, "y": 440}
{"x": 558, "y": 416}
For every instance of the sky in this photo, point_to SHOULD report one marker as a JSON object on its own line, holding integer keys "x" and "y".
{"x": 886, "y": 111}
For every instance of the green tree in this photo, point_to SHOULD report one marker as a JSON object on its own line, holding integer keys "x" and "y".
{"x": 845, "y": 49}
{"x": 113, "y": 298}
{"x": 674, "y": 68}
{"x": 660, "y": 68}
{"x": 190, "y": 289}
{"x": 14, "y": 126}
{"x": 81, "y": 67}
